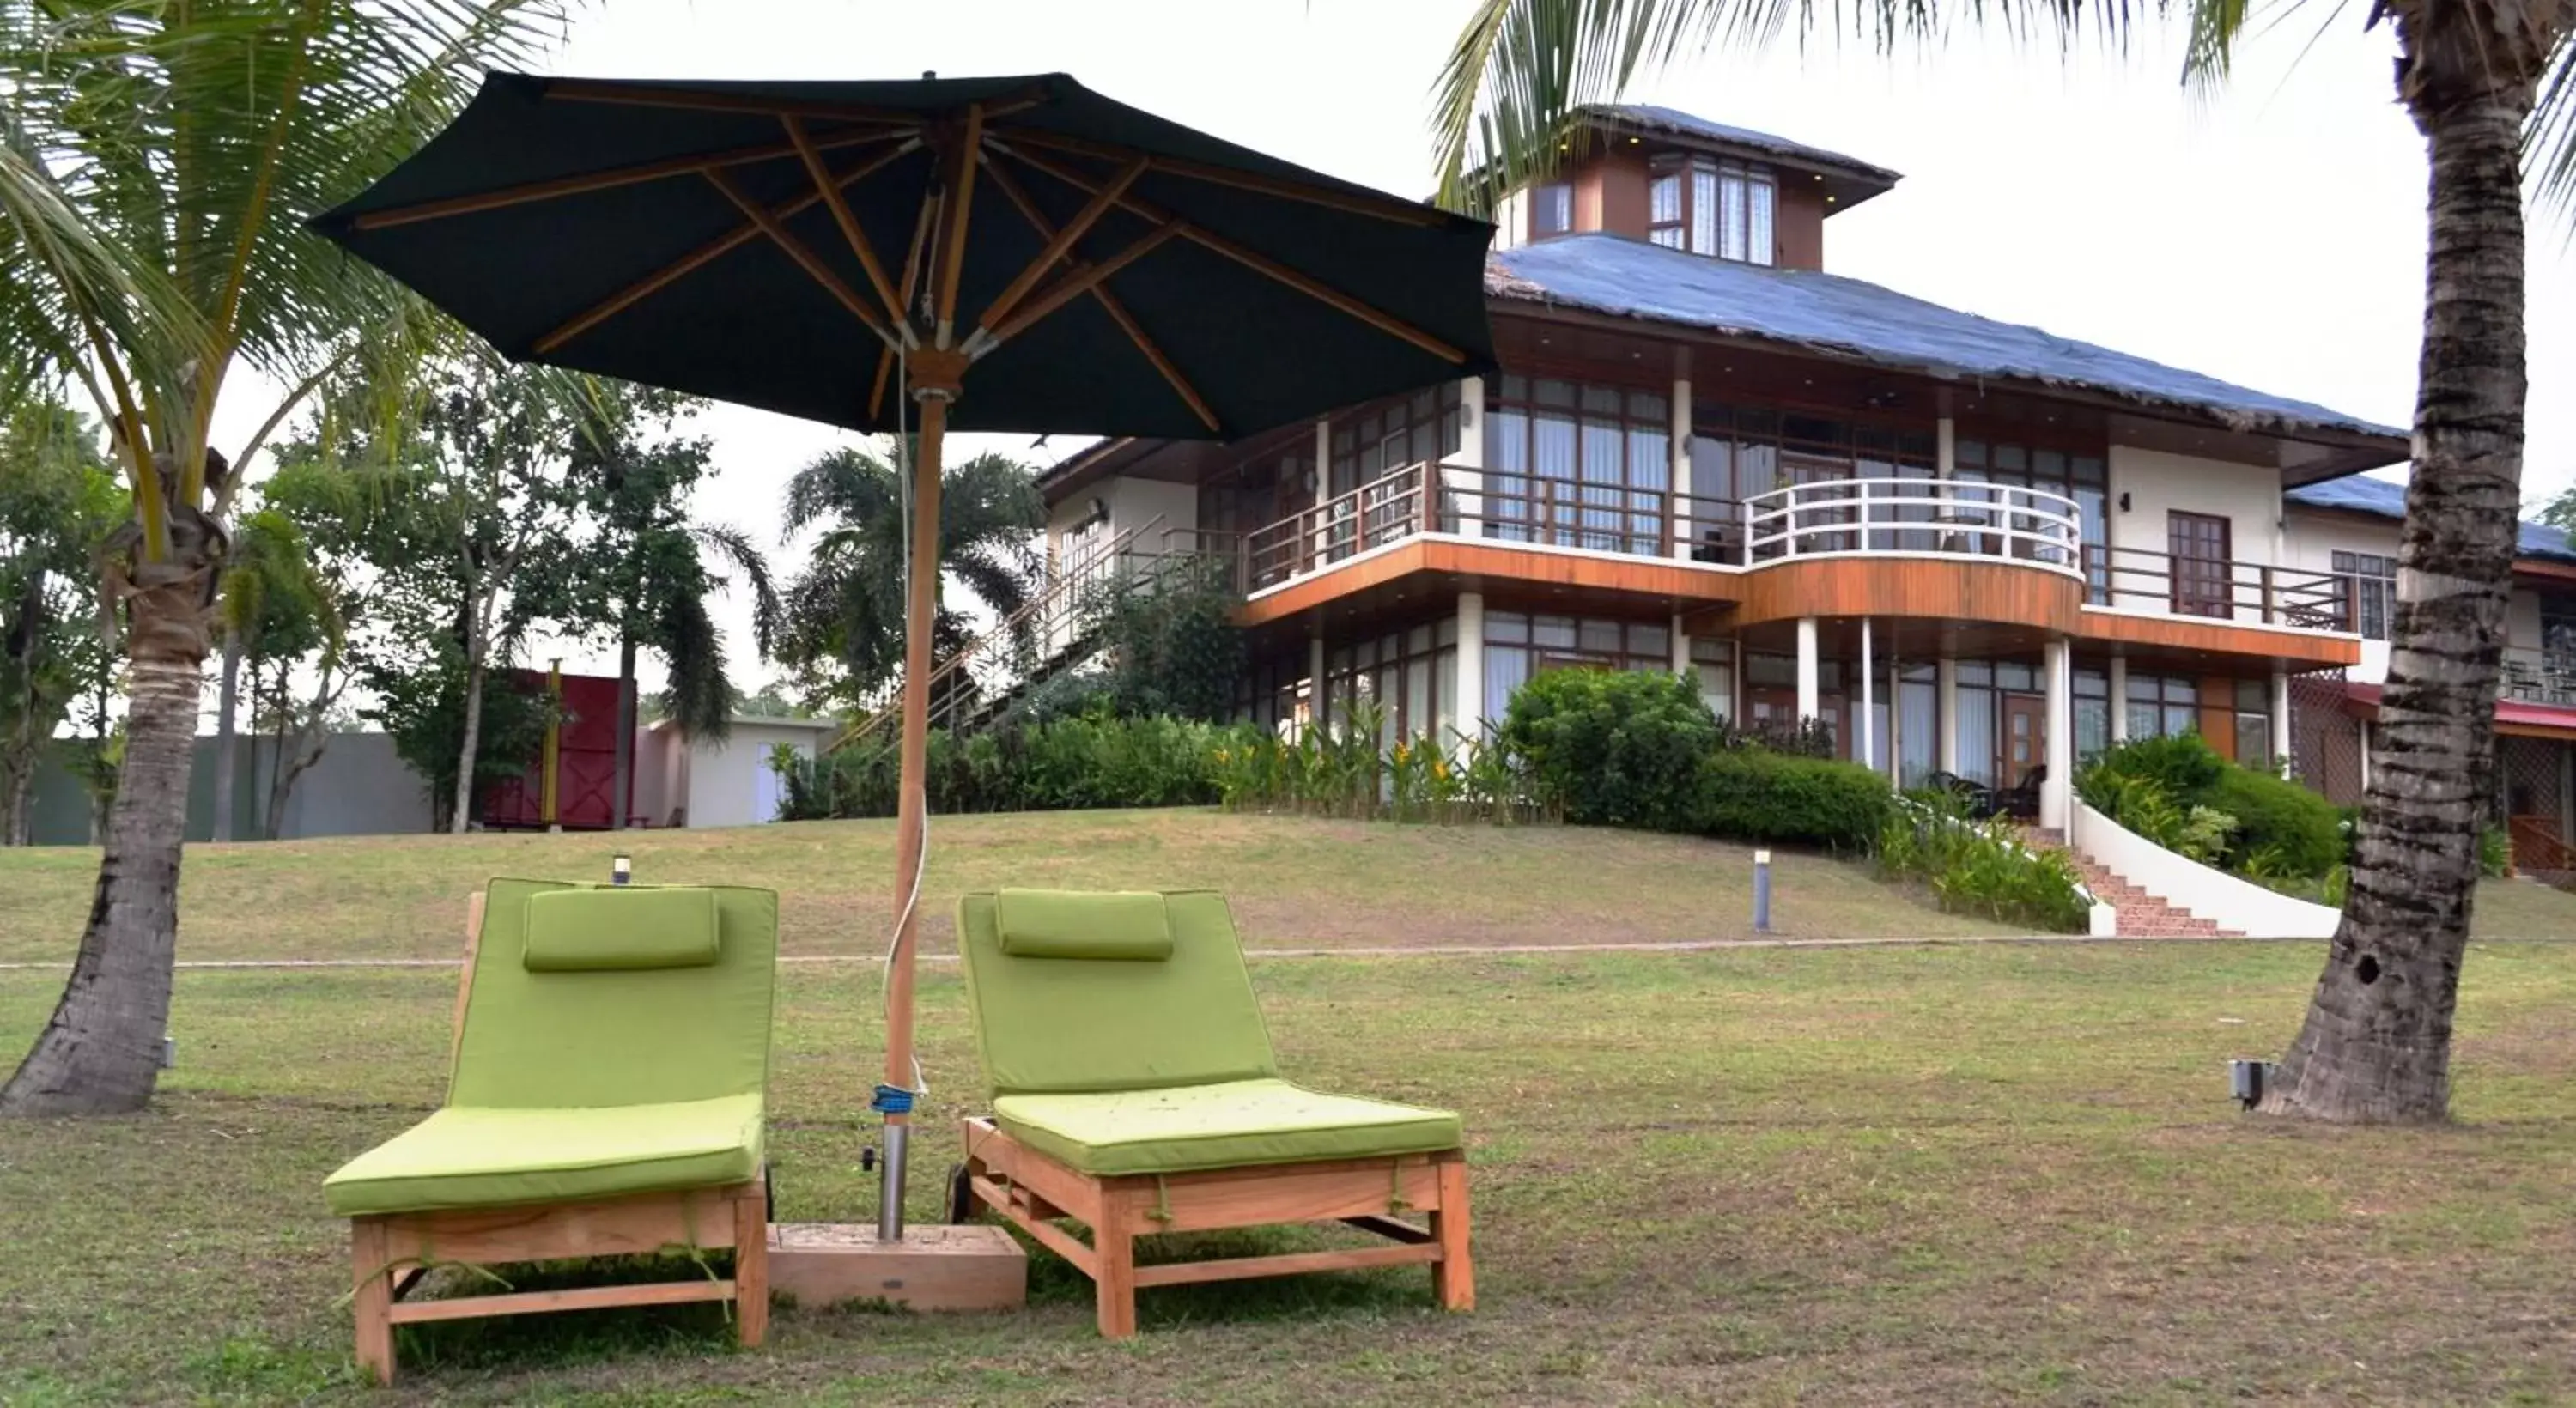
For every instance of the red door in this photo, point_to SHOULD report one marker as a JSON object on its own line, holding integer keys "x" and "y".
{"x": 2197, "y": 545}
{"x": 2025, "y": 736}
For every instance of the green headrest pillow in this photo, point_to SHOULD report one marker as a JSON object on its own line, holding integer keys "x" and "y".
{"x": 1083, "y": 924}
{"x": 597, "y": 929}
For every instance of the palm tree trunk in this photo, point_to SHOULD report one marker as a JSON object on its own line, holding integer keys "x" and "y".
{"x": 2376, "y": 1046}
{"x": 101, "y": 1051}
{"x": 17, "y": 781}
{"x": 225, "y": 702}
{"x": 621, "y": 787}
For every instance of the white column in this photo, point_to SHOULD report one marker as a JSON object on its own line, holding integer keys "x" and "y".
{"x": 1683, "y": 529}
{"x": 1808, "y": 705}
{"x": 1868, "y": 729}
{"x": 1681, "y": 651}
{"x": 1945, "y": 447}
{"x": 1948, "y": 708}
{"x": 2057, "y": 792}
{"x": 2119, "y": 699}
{"x": 2281, "y": 720}
{"x": 1895, "y": 721}
{"x": 1464, "y": 471}
{"x": 2365, "y": 755}
{"x": 1323, "y": 460}
{"x": 1471, "y": 664}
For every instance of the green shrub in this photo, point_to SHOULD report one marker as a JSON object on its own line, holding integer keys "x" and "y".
{"x": 1753, "y": 794}
{"x": 1979, "y": 866}
{"x": 2495, "y": 852}
{"x": 1613, "y": 747}
{"x": 2185, "y": 766}
{"x": 2296, "y": 831}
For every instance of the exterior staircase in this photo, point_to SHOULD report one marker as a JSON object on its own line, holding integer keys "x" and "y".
{"x": 2141, "y": 915}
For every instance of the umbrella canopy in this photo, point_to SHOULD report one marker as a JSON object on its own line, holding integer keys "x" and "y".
{"x": 763, "y": 243}
{"x": 1012, "y": 254}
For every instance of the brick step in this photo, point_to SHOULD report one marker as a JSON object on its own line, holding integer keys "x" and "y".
{"x": 2138, "y": 915}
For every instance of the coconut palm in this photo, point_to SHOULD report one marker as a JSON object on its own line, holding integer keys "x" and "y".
{"x": 157, "y": 164}
{"x": 2488, "y": 83}
{"x": 844, "y": 611}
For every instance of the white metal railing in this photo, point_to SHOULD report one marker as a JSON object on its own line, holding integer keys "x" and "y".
{"x": 1947, "y": 517}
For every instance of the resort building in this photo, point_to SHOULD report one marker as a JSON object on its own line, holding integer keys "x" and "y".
{"x": 1967, "y": 546}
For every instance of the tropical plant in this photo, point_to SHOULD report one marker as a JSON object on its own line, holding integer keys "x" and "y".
{"x": 643, "y": 572}
{"x": 2491, "y": 84}
{"x": 1614, "y": 747}
{"x": 842, "y": 626}
{"x": 278, "y": 612}
{"x": 1168, "y": 640}
{"x": 1749, "y": 793}
{"x": 157, "y": 165}
{"x": 58, "y": 503}
{"x": 1978, "y": 865}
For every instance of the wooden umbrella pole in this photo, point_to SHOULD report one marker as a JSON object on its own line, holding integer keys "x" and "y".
{"x": 934, "y": 383}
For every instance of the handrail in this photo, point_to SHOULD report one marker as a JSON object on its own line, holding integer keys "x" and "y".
{"x": 1959, "y": 518}
{"x": 2218, "y": 588}
{"x": 1040, "y": 609}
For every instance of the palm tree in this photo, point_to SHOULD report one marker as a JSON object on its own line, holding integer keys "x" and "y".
{"x": 2486, "y": 82}
{"x": 844, "y": 612}
{"x": 647, "y": 575}
{"x": 157, "y": 164}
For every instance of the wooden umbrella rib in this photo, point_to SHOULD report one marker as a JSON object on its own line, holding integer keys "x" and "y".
{"x": 700, "y": 257}
{"x": 588, "y": 181}
{"x": 911, "y": 280}
{"x": 812, "y": 155}
{"x": 1074, "y": 285}
{"x": 805, "y": 258}
{"x": 961, "y": 198}
{"x": 1381, "y": 207}
{"x": 1061, "y": 244}
{"x": 1110, "y": 303}
{"x": 1258, "y": 263}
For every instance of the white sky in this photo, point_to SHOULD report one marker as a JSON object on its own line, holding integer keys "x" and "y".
{"x": 2271, "y": 234}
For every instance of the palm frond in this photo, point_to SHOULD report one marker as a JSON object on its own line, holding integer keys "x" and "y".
{"x": 2549, "y": 140}
{"x": 736, "y": 547}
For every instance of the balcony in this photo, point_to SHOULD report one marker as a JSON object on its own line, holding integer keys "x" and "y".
{"x": 1824, "y": 519}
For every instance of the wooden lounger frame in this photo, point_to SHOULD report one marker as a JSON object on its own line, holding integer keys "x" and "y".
{"x": 389, "y": 1252}
{"x": 1033, "y": 1190}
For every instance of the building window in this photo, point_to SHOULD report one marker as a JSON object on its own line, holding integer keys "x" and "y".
{"x": 1551, "y": 210}
{"x": 1715, "y": 208}
{"x": 2369, "y": 585}
{"x": 2092, "y": 712}
{"x": 2162, "y": 706}
{"x": 1411, "y": 676}
{"x": 1577, "y": 466}
{"x": 2081, "y": 477}
{"x": 1713, "y": 669}
{"x": 1393, "y": 434}
{"x": 1664, "y": 211}
{"x": 1518, "y": 646}
{"x": 2254, "y": 723}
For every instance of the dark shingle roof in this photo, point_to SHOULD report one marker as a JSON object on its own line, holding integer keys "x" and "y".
{"x": 1659, "y": 119}
{"x": 2381, "y": 499}
{"x": 1820, "y": 312}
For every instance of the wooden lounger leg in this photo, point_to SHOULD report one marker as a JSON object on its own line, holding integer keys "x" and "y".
{"x": 1115, "y": 1283}
{"x": 1453, "y": 1276}
{"x": 374, "y": 1301}
{"x": 751, "y": 1264}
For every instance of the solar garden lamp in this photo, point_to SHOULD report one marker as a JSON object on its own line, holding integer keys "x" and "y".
{"x": 1762, "y": 892}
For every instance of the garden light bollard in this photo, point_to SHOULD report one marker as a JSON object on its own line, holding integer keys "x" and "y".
{"x": 1762, "y": 892}
{"x": 620, "y": 871}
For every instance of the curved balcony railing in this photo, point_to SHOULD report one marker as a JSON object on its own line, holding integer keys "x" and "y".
{"x": 1947, "y": 517}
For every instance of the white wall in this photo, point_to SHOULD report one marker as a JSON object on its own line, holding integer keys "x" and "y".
{"x": 730, "y": 783}
{"x": 2314, "y": 539}
{"x": 1133, "y": 503}
{"x": 2157, "y": 481}
{"x": 2197, "y": 890}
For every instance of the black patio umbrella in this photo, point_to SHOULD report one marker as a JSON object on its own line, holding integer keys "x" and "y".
{"x": 1012, "y": 254}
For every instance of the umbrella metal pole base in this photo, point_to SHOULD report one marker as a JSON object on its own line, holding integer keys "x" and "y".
{"x": 890, "y": 1190}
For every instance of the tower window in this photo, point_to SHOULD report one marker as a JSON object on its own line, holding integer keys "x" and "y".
{"x": 1713, "y": 208}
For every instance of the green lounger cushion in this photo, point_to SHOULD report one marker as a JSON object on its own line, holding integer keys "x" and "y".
{"x": 573, "y": 931}
{"x": 589, "y": 1083}
{"x": 1126, "y": 925}
{"x": 468, "y": 1157}
{"x": 1226, "y": 1125}
{"x": 1057, "y": 1026}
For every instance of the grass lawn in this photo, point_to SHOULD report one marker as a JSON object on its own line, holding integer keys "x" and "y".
{"x": 1930, "y": 1175}
{"x": 1294, "y": 882}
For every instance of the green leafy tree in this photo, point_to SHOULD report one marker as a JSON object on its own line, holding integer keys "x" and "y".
{"x": 158, "y": 162}
{"x": 2491, "y": 84}
{"x": 644, "y": 572}
{"x": 843, "y": 617}
{"x": 283, "y": 616}
{"x": 58, "y": 503}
